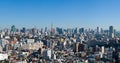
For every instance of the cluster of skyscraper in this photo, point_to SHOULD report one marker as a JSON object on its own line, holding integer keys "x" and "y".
{"x": 59, "y": 45}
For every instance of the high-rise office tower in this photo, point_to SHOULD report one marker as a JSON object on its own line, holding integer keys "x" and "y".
{"x": 75, "y": 31}
{"x": 97, "y": 30}
{"x": 79, "y": 47}
{"x": 13, "y": 29}
{"x": 76, "y": 46}
{"x": 115, "y": 32}
{"x": 23, "y": 30}
{"x": 59, "y": 30}
{"x": 45, "y": 29}
{"x": 101, "y": 31}
{"x": 111, "y": 32}
{"x": 81, "y": 30}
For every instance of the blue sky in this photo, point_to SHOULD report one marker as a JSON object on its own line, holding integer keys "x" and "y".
{"x": 62, "y": 13}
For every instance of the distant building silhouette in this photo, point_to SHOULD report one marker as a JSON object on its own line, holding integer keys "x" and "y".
{"x": 111, "y": 32}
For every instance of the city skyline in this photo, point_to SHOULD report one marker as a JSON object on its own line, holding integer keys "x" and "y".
{"x": 78, "y": 29}
{"x": 62, "y": 13}
{"x": 59, "y": 31}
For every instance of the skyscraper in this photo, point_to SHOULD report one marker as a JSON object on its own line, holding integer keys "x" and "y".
{"x": 97, "y": 30}
{"x": 75, "y": 31}
{"x": 76, "y": 45}
{"x": 45, "y": 29}
{"x": 23, "y": 30}
{"x": 79, "y": 47}
{"x": 111, "y": 32}
{"x": 101, "y": 31}
{"x": 13, "y": 29}
{"x": 59, "y": 30}
{"x": 81, "y": 30}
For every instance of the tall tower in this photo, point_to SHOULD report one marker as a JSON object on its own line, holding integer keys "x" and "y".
{"x": 111, "y": 32}
{"x": 101, "y": 31}
{"x": 51, "y": 31}
{"x": 76, "y": 45}
{"x": 13, "y": 29}
{"x": 81, "y": 30}
{"x": 97, "y": 30}
{"x": 51, "y": 26}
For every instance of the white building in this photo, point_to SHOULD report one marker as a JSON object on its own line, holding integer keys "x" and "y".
{"x": 1, "y": 49}
{"x": 32, "y": 46}
{"x": 47, "y": 53}
{"x": 30, "y": 41}
{"x": 3, "y": 56}
{"x": 102, "y": 49}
